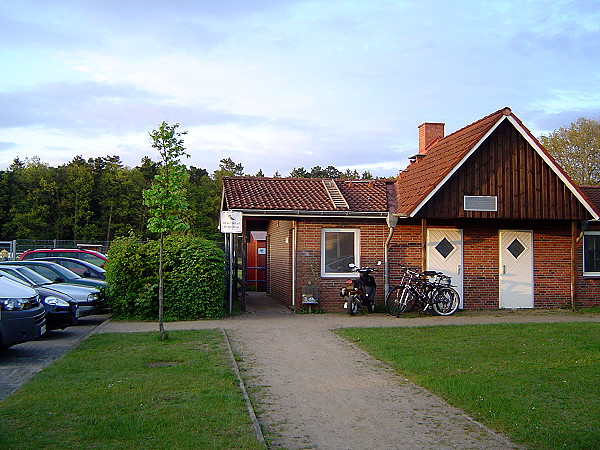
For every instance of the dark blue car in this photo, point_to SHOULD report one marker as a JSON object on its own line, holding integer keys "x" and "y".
{"x": 22, "y": 316}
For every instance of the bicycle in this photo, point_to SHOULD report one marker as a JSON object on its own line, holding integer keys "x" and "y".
{"x": 430, "y": 289}
{"x": 392, "y": 300}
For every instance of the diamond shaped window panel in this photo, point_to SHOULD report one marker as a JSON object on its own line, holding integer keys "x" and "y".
{"x": 516, "y": 248}
{"x": 444, "y": 248}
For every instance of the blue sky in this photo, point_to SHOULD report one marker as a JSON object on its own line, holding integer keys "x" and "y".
{"x": 278, "y": 84}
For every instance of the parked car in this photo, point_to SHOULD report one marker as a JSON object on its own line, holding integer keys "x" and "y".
{"x": 82, "y": 268}
{"x": 56, "y": 273}
{"x": 96, "y": 258}
{"x": 89, "y": 300}
{"x": 61, "y": 310}
{"x": 22, "y": 316}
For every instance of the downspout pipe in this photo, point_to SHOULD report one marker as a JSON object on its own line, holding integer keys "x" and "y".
{"x": 294, "y": 262}
{"x": 392, "y": 221}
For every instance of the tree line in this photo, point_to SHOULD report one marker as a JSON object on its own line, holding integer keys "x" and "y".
{"x": 95, "y": 199}
{"x": 100, "y": 198}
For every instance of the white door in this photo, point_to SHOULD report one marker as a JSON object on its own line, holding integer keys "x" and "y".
{"x": 445, "y": 254}
{"x": 516, "y": 269}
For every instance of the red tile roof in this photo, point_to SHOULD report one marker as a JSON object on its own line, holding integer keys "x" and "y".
{"x": 403, "y": 197}
{"x": 422, "y": 176}
{"x": 302, "y": 194}
{"x": 363, "y": 195}
{"x": 593, "y": 195}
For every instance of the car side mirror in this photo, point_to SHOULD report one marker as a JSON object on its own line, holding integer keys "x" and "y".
{"x": 59, "y": 280}
{"x": 86, "y": 274}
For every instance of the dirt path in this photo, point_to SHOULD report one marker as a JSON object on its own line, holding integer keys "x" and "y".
{"x": 315, "y": 390}
{"x": 312, "y": 389}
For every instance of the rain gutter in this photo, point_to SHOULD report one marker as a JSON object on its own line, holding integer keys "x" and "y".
{"x": 296, "y": 213}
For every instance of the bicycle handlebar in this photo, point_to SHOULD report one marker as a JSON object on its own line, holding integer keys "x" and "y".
{"x": 439, "y": 276}
{"x": 363, "y": 269}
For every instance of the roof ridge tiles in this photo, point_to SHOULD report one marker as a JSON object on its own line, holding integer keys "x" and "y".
{"x": 498, "y": 113}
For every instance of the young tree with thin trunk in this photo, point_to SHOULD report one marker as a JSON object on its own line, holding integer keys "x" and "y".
{"x": 166, "y": 198}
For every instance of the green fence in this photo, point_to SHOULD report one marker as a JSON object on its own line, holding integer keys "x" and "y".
{"x": 22, "y": 245}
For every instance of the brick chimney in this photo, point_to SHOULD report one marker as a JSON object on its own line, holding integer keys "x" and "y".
{"x": 428, "y": 132}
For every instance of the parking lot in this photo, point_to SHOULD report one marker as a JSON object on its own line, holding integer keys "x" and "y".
{"x": 20, "y": 362}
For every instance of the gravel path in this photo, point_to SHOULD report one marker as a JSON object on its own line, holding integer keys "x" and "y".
{"x": 313, "y": 389}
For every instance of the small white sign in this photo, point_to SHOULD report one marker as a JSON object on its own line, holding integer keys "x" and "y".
{"x": 262, "y": 251}
{"x": 231, "y": 221}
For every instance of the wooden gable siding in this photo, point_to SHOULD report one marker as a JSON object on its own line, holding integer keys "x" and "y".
{"x": 505, "y": 165}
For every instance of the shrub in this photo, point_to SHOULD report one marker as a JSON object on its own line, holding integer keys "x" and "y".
{"x": 194, "y": 274}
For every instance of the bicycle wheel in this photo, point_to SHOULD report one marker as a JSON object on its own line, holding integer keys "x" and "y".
{"x": 392, "y": 301}
{"x": 410, "y": 301}
{"x": 445, "y": 301}
{"x": 407, "y": 301}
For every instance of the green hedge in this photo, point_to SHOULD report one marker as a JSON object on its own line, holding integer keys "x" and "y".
{"x": 194, "y": 279}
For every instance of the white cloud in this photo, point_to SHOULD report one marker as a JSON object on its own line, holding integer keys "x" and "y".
{"x": 280, "y": 84}
{"x": 56, "y": 147}
{"x": 560, "y": 100}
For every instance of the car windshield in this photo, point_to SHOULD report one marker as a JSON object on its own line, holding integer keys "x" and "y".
{"x": 36, "y": 278}
{"x": 77, "y": 265}
{"x": 61, "y": 271}
{"x": 95, "y": 260}
{"x": 27, "y": 275}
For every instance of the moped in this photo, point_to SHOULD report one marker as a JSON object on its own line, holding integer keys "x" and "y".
{"x": 359, "y": 294}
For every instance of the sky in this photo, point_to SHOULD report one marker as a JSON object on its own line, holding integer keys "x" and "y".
{"x": 281, "y": 84}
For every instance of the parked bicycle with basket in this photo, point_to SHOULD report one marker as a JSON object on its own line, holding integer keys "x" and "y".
{"x": 431, "y": 290}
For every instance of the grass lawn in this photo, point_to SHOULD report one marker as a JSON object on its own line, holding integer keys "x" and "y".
{"x": 132, "y": 390}
{"x": 537, "y": 383}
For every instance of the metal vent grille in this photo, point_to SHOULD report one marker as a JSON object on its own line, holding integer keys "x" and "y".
{"x": 481, "y": 203}
{"x": 335, "y": 195}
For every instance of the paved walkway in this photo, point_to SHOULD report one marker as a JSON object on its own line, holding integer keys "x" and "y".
{"x": 315, "y": 390}
{"x": 20, "y": 362}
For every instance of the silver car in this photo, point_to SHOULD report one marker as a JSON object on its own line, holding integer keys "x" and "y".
{"x": 89, "y": 300}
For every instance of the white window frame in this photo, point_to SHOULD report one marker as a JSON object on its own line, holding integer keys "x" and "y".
{"x": 585, "y": 234}
{"x": 356, "y": 232}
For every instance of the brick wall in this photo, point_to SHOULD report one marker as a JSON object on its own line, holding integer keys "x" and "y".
{"x": 372, "y": 238}
{"x": 552, "y": 266}
{"x": 480, "y": 260}
{"x": 481, "y": 267}
{"x": 552, "y": 263}
{"x": 405, "y": 249}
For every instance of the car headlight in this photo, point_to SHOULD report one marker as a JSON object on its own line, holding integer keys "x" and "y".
{"x": 55, "y": 301}
{"x": 14, "y": 304}
{"x": 93, "y": 297}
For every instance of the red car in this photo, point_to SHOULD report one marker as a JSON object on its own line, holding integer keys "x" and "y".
{"x": 95, "y": 258}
